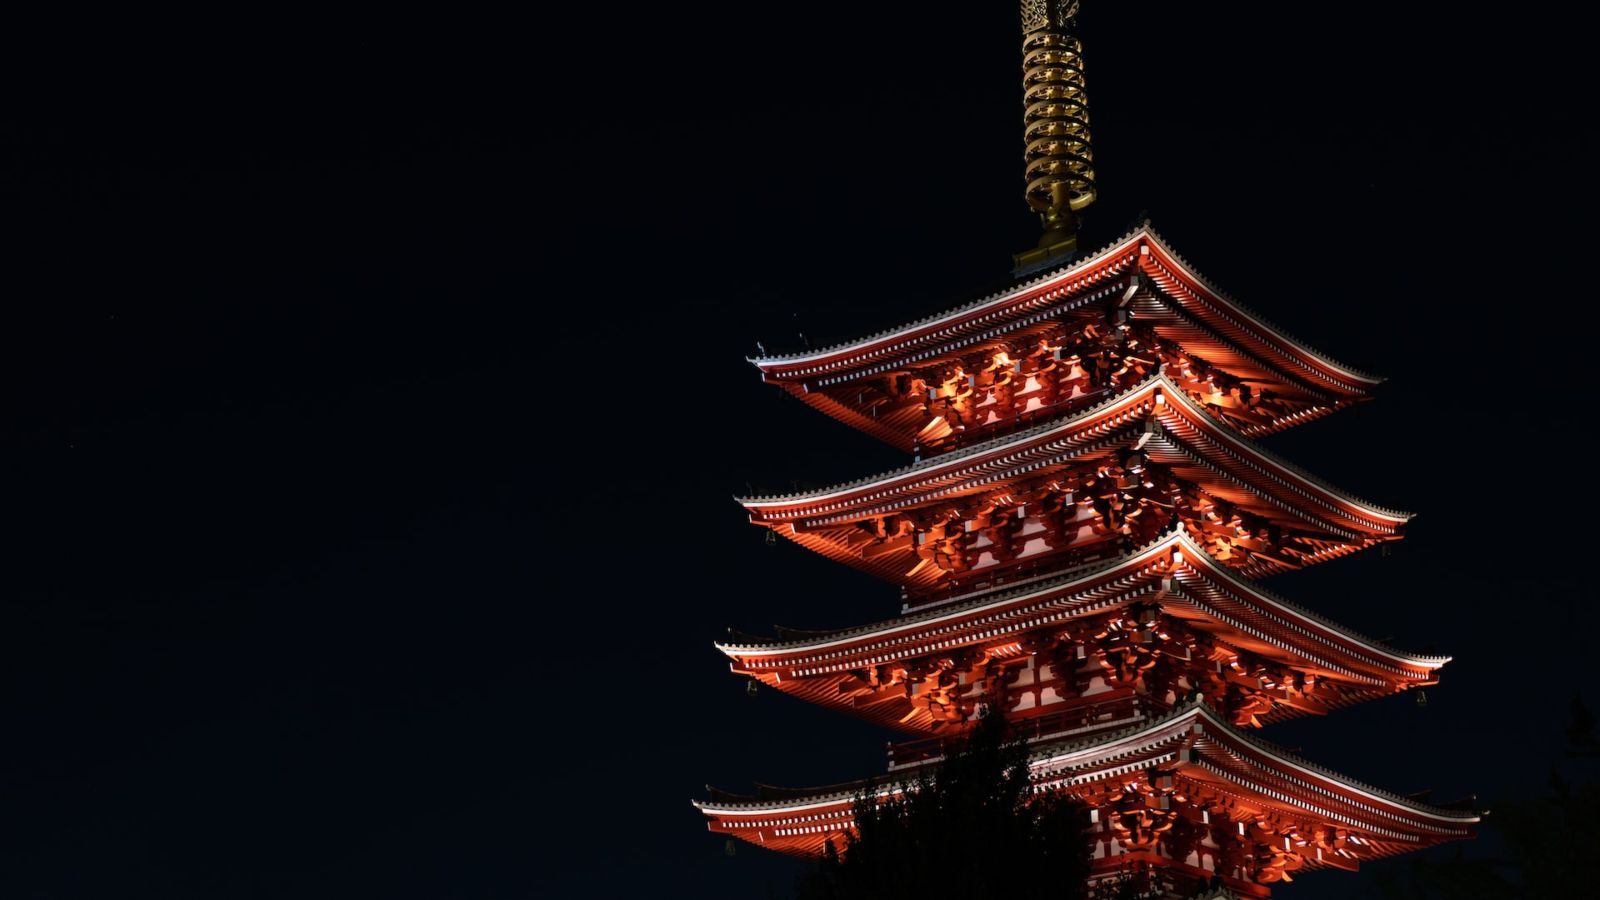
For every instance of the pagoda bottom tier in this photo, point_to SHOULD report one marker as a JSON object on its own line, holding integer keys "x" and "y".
{"x": 1183, "y": 797}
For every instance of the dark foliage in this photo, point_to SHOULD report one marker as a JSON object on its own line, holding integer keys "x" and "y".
{"x": 1546, "y": 842}
{"x": 969, "y": 827}
{"x": 1546, "y": 839}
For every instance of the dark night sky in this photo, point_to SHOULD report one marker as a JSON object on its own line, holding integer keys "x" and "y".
{"x": 373, "y": 403}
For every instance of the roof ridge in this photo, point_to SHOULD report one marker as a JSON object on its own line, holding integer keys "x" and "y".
{"x": 1049, "y": 748}
{"x": 1273, "y": 326}
{"x": 979, "y": 599}
{"x": 972, "y": 304}
{"x": 972, "y": 601}
{"x": 1144, "y": 228}
{"x": 1311, "y": 614}
{"x": 1293, "y": 468}
{"x": 964, "y": 452}
{"x": 1046, "y": 749}
{"x": 1159, "y": 375}
{"x": 1284, "y": 754}
{"x": 1195, "y": 707}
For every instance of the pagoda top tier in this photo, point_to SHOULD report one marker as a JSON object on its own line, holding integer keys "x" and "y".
{"x": 1065, "y": 339}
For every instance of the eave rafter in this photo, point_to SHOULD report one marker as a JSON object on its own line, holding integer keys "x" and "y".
{"x": 1078, "y": 488}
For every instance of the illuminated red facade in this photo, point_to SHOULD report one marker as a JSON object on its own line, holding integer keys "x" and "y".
{"x": 1077, "y": 543}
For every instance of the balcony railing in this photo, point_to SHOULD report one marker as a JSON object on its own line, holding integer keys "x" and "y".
{"x": 1018, "y": 421}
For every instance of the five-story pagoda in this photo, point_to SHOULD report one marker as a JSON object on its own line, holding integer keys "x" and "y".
{"x": 1078, "y": 541}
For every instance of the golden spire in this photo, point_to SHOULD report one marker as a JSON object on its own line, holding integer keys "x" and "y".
{"x": 1060, "y": 162}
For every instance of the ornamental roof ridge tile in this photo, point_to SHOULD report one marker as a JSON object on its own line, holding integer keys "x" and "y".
{"x": 971, "y": 304}
{"x": 972, "y": 601}
{"x": 964, "y": 452}
{"x": 1276, "y": 329}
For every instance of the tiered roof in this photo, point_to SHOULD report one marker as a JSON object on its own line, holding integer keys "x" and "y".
{"x": 1137, "y": 274}
{"x": 1213, "y": 775}
{"x": 1231, "y": 615}
{"x": 875, "y": 523}
{"x": 1075, "y": 545}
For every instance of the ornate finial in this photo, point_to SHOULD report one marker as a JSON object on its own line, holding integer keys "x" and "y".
{"x": 1037, "y": 14}
{"x": 1060, "y": 162}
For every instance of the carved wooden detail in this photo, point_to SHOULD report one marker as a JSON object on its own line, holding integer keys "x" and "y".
{"x": 1163, "y": 814}
{"x": 1020, "y": 380}
{"x": 1125, "y": 501}
{"x": 1136, "y": 651}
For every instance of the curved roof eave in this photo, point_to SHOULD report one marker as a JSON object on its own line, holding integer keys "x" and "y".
{"x": 1155, "y": 380}
{"x": 1265, "y": 329}
{"x": 1152, "y": 730}
{"x": 981, "y": 600}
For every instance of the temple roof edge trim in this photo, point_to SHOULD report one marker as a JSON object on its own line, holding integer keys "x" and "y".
{"x": 1143, "y": 236}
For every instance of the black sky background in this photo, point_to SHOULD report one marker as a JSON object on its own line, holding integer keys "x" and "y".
{"x": 374, "y": 398}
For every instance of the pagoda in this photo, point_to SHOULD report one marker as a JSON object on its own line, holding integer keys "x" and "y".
{"x": 1078, "y": 543}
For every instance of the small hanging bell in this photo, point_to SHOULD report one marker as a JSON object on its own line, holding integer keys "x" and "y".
{"x": 751, "y": 688}
{"x": 772, "y": 538}
{"x": 730, "y": 848}
{"x": 1422, "y": 697}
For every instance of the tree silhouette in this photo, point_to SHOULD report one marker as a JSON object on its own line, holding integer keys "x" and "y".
{"x": 1546, "y": 840}
{"x": 971, "y": 826}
